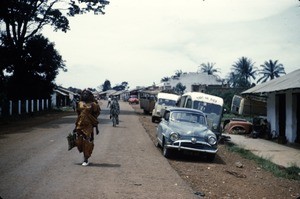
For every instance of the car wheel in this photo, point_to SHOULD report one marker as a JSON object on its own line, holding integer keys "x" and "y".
{"x": 153, "y": 119}
{"x": 238, "y": 130}
{"x": 166, "y": 151}
{"x": 156, "y": 143}
{"x": 210, "y": 157}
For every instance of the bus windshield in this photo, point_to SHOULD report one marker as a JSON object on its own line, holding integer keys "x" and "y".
{"x": 212, "y": 111}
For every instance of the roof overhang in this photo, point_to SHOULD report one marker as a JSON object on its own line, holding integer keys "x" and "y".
{"x": 283, "y": 83}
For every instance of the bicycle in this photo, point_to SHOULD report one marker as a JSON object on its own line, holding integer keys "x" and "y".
{"x": 114, "y": 118}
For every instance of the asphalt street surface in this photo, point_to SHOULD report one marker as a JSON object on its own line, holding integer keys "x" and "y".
{"x": 35, "y": 163}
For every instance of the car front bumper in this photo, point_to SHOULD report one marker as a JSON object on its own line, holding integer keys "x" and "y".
{"x": 198, "y": 146}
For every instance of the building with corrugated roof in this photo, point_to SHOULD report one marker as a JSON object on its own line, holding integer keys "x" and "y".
{"x": 283, "y": 105}
{"x": 193, "y": 81}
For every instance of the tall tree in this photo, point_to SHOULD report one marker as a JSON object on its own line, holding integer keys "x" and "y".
{"x": 270, "y": 70}
{"x": 106, "y": 85}
{"x": 23, "y": 20}
{"x": 121, "y": 87}
{"x": 165, "y": 79}
{"x": 208, "y": 68}
{"x": 243, "y": 71}
{"x": 179, "y": 88}
{"x": 41, "y": 64}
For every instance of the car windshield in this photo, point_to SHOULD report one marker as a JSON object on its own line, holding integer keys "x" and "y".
{"x": 166, "y": 102}
{"x": 190, "y": 117}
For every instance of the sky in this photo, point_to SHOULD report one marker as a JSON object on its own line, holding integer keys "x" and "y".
{"x": 142, "y": 41}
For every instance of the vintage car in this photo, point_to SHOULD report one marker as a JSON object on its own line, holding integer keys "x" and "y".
{"x": 184, "y": 129}
{"x": 164, "y": 101}
{"x": 237, "y": 126}
{"x": 133, "y": 100}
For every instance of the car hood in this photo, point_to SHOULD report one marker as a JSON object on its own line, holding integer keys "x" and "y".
{"x": 190, "y": 129}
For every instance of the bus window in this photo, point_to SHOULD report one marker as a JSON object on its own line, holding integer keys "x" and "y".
{"x": 189, "y": 103}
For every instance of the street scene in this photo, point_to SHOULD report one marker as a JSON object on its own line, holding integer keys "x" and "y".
{"x": 36, "y": 163}
{"x": 149, "y": 99}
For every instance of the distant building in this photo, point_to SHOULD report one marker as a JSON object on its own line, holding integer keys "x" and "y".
{"x": 62, "y": 97}
{"x": 193, "y": 81}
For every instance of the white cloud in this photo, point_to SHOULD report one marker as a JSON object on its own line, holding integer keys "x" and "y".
{"x": 141, "y": 41}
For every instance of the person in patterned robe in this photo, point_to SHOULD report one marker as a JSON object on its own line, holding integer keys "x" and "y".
{"x": 87, "y": 110}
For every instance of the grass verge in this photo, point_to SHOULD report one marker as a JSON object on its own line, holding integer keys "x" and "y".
{"x": 292, "y": 172}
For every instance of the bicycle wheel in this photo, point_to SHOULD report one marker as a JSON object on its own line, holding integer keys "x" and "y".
{"x": 114, "y": 120}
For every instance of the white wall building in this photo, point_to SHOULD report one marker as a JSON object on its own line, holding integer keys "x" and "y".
{"x": 193, "y": 81}
{"x": 283, "y": 105}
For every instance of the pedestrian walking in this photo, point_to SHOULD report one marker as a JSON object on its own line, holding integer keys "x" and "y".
{"x": 87, "y": 110}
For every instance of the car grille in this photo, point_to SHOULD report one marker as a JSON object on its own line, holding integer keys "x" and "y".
{"x": 191, "y": 145}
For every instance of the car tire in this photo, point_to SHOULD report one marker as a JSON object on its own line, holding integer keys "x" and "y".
{"x": 210, "y": 157}
{"x": 156, "y": 143}
{"x": 166, "y": 152}
{"x": 153, "y": 119}
{"x": 238, "y": 130}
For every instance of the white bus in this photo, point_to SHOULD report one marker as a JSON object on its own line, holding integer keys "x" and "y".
{"x": 211, "y": 105}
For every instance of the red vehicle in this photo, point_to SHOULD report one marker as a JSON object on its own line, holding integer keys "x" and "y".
{"x": 237, "y": 126}
{"x": 133, "y": 100}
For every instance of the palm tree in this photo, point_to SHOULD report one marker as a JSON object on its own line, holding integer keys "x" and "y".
{"x": 208, "y": 68}
{"x": 243, "y": 71}
{"x": 178, "y": 73}
{"x": 165, "y": 79}
{"x": 232, "y": 79}
{"x": 270, "y": 70}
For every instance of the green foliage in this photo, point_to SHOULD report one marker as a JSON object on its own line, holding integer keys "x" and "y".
{"x": 34, "y": 77}
{"x": 121, "y": 87}
{"x": 179, "y": 88}
{"x": 242, "y": 72}
{"x": 209, "y": 68}
{"x": 165, "y": 79}
{"x": 28, "y": 61}
{"x": 106, "y": 85}
{"x": 270, "y": 70}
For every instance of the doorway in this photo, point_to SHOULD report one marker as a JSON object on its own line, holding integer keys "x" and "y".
{"x": 281, "y": 113}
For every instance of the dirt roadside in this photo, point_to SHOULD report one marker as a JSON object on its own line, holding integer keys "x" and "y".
{"x": 229, "y": 176}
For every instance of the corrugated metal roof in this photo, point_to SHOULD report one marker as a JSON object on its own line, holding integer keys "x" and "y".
{"x": 60, "y": 92}
{"x": 288, "y": 81}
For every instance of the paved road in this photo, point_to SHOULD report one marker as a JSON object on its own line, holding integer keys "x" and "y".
{"x": 125, "y": 163}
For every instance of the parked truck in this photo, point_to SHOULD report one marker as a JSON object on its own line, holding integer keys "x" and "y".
{"x": 147, "y": 100}
{"x": 248, "y": 107}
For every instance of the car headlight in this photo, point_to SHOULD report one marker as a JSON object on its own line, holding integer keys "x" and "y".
{"x": 212, "y": 140}
{"x": 174, "y": 136}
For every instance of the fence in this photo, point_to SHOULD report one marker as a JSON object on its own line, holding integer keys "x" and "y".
{"x": 22, "y": 107}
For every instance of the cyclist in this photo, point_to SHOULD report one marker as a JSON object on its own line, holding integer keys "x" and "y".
{"x": 115, "y": 109}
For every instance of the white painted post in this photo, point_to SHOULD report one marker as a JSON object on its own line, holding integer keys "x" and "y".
{"x": 37, "y": 105}
{"x": 47, "y": 104}
{"x": 26, "y": 104}
{"x": 19, "y": 107}
{"x": 10, "y": 107}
